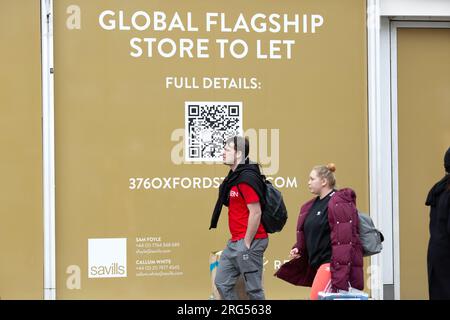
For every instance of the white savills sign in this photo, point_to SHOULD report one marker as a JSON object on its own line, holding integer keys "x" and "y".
{"x": 107, "y": 258}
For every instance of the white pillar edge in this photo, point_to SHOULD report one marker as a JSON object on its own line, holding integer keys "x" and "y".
{"x": 375, "y": 137}
{"x": 48, "y": 145}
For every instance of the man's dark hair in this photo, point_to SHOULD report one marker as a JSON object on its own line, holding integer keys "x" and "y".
{"x": 240, "y": 144}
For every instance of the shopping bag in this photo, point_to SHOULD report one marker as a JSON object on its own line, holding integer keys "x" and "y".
{"x": 350, "y": 294}
{"x": 214, "y": 258}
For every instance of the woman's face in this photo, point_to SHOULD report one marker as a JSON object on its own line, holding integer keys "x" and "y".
{"x": 316, "y": 184}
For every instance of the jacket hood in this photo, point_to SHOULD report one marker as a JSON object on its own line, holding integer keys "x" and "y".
{"x": 247, "y": 166}
{"x": 346, "y": 194}
{"x": 242, "y": 171}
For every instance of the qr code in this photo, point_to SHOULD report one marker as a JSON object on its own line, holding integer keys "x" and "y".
{"x": 208, "y": 125}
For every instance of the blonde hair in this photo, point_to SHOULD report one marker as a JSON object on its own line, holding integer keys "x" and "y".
{"x": 327, "y": 173}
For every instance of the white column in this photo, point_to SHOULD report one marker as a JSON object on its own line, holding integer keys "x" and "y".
{"x": 375, "y": 139}
{"x": 48, "y": 149}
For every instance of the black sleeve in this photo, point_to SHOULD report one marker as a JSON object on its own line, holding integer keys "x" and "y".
{"x": 448, "y": 215}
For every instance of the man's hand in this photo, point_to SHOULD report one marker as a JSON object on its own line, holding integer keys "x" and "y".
{"x": 254, "y": 219}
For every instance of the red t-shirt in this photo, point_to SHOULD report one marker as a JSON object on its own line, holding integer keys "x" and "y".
{"x": 238, "y": 212}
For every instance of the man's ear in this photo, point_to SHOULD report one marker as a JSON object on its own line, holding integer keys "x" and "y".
{"x": 239, "y": 155}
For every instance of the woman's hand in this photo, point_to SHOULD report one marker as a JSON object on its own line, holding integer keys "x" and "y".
{"x": 294, "y": 254}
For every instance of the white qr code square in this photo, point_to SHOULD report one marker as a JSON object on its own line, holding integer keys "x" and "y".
{"x": 207, "y": 126}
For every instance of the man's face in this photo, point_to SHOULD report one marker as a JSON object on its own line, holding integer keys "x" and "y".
{"x": 229, "y": 155}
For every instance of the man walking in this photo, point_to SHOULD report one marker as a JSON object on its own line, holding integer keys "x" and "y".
{"x": 242, "y": 192}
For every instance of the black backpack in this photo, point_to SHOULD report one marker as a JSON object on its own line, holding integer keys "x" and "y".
{"x": 274, "y": 214}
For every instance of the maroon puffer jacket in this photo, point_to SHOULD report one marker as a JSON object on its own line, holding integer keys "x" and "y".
{"x": 347, "y": 253}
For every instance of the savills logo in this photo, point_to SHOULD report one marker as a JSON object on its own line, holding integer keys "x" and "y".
{"x": 114, "y": 270}
{"x": 107, "y": 258}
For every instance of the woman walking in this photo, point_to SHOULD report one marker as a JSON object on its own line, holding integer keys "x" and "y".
{"x": 328, "y": 252}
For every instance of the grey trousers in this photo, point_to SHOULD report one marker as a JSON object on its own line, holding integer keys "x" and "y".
{"x": 235, "y": 260}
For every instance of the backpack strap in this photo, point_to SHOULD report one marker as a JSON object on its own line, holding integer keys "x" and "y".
{"x": 261, "y": 201}
{"x": 240, "y": 192}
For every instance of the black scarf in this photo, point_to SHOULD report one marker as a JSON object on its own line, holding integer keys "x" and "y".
{"x": 244, "y": 173}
